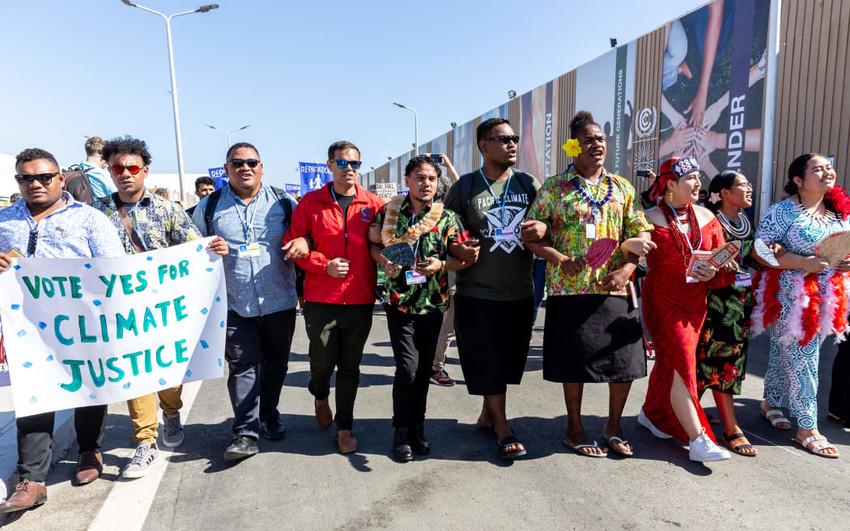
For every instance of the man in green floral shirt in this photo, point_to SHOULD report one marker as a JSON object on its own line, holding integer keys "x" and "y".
{"x": 416, "y": 296}
{"x": 146, "y": 221}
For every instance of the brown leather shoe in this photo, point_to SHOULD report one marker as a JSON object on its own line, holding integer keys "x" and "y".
{"x": 27, "y": 494}
{"x": 89, "y": 467}
{"x": 324, "y": 415}
{"x": 346, "y": 442}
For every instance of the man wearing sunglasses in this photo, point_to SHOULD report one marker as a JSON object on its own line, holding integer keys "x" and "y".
{"x": 49, "y": 223}
{"x": 146, "y": 221}
{"x": 494, "y": 299}
{"x": 261, "y": 298}
{"x": 339, "y": 284}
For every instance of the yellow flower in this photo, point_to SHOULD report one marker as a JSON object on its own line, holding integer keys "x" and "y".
{"x": 572, "y": 147}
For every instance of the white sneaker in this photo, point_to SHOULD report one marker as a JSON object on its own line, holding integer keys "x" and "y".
{"x": 172, "y": 436}
{"x": 705, "y": 451}
{"x": 146, "y": 455}
{"x": 645, "y": 422}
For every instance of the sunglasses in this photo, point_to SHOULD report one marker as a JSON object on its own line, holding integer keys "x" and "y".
{"x": 119, "y": 170}
{"x": 506, "y": 139}
{"x": 44, "y": 178}
{"x": 342, "y": 163}
{"x": 252, "y": 163}
{"x": 33, "y": 242}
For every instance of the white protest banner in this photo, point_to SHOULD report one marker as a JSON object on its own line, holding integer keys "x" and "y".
{"x": 90, "y": 331}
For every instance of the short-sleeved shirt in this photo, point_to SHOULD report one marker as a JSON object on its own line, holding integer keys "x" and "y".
{"x": 433, "y": 294}
{"x": 561, "y": 204}
{"x": 503, "y": 271}
{"x": 73, "y": 231}
{"x": 258, "y": 283}
{"x": 158, "y": 221}
{"x": 99, "y": 179}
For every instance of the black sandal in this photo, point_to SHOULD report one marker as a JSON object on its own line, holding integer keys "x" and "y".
{"x": 502, "y": 447}
{"x": 737, "y": 449}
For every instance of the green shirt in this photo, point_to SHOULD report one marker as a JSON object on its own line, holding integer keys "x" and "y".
{"x": 503, "y": 271}
{"x": 433, "y": 294}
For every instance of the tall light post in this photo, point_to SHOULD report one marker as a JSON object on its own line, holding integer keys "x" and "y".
{"x": 167, "y": 18}
{"x": 228, "y": 133}
{"x": 415, "y": 125}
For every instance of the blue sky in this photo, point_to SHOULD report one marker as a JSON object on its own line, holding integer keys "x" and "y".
{"x": 302, "y": 74}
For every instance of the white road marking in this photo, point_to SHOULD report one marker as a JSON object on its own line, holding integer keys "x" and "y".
{"x": 768, "y": 441}
{"x": 128, "y": 503}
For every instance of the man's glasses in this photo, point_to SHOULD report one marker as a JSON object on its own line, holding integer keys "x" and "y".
{"x": 44, "y": 178}
{"x": 342, "y": 163}
{"x": 506, "y": 139}
{"x": 33, "y": 242}
{"x": 238, "y": 163}
{"x": 119, "y": 170}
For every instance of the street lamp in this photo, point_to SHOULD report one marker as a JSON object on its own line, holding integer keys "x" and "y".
{"x": 415, "y": 125}
{"x": 167, "y": 18}
{"x": 228, "y": 133}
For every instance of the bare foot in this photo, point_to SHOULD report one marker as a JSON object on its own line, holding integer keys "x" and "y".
{"x": 617, "y": 431}
{"x": 578, "y": 436}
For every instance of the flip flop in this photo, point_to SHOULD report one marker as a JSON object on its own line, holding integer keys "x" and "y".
{"x": 736, "y": 449}
{"x": 624, "y": 453}
{"x": 578, "y": 447}
{"x": 816, "y": 449}
{"x": 510, "y": 440}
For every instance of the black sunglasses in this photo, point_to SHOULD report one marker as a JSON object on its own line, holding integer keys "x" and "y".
{"x": 33, "y": 242}
{"x": 342, "y": 163}
{"x": 44, "y": 178}
{"x": 252, "y": 163}
{"x": 506, "y": 139}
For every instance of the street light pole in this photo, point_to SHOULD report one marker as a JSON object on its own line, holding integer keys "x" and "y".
{"x": 415, "y": 125}
{"x": 228, "y": 133}
{"x": 167, "y": 18}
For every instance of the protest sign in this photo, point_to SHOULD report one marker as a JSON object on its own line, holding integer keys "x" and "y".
{"x": 91, "y": 331}
{"x": 313, "y": 176}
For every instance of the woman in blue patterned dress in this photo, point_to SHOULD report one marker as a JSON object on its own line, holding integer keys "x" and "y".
{"x": 804, "y": 309}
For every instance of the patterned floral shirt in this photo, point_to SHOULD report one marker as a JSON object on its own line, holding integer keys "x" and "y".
{"x": 560, "y": 204}
{"x": 159, "y": 222}
{"x": 433, "y": 294}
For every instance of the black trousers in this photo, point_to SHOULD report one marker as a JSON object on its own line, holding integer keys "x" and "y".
{"x": 257, "y": 352}
{"x": 839, "y": 393}
{"x": 35, "y": 436}
{"x": 414, "y": 340}
{"x": 337, "y": 334}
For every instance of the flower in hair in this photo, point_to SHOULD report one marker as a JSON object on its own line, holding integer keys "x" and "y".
{"x": 572, "y": 147}
{"x": 714, "y": 198}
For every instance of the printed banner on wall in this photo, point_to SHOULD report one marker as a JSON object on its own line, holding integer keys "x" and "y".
{"x": 606, "y": 88}
{"x": 712, "y": 87}
{"x": 313, "y": 176}
{"x": 92, "y": 331}
{"x": 539, "y": 114}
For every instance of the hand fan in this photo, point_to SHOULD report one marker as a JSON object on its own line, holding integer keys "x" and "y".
{"x": 764, "y": 252}
{"x": 399, "y": 254}
{"x": 600, "y": 251}
{"x": 834, "y": 247}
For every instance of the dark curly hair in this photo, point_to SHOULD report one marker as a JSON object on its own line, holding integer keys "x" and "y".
{"x": 581, "y": 120}
{"x": 721, "y": 181}
{"x": 126, "y": 145}
{"x": 31, "y": 154}
{"x": 419, "y": 160}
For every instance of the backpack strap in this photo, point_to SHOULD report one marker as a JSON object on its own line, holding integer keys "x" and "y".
{"x": 526, "y": 181}
{"x": 209, "y": 210}
{"x": 283, "y": 199}
{"x": 465, "y": 183}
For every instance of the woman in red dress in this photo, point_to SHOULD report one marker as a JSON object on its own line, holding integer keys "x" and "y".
{"x": 674, "y": 308}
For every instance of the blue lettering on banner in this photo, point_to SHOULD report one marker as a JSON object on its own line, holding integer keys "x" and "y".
{"x": 742, "y": 36}
{"x": 313, "y": 176}
{"x": 218, "y": 176}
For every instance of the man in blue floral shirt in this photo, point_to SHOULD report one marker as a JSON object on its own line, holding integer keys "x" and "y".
{"x": 145, "y": 221}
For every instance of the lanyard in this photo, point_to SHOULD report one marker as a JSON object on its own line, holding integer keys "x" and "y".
{"x": 246, "y": 224}
{"x": 504, "y": 196}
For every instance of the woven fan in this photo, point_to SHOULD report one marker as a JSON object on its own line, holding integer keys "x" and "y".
{"x": 399, "y": 254}
{"x": 764, "y": 252}
{"x": 600, "y": 251}
{"x": 834, "y": 247}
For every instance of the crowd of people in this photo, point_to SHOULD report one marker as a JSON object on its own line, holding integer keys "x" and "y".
{"x": 465, "y": 247}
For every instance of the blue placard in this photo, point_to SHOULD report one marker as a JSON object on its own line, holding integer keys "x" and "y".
{"x": 313, "y": 176}
{"x": 218, "y": 176}
{"x": 292, "y": 188}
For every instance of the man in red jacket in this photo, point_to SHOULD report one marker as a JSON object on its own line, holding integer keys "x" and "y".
{"x": 339, "y": 284}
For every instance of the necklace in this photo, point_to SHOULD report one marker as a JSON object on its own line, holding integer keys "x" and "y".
{"x": 595, "y": 203}
{"x": 741, "y": 233}
{"x": 411, "y": 236}
{"x": 687, "y": 243}
{"x": 826, "y": 216}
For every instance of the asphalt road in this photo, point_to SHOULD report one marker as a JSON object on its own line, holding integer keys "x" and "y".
{"x": 301, "y": 482}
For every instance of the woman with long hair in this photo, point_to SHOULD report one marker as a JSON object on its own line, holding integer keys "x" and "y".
{"x": 805, "y": 302}
{"x": 674, "y": 308}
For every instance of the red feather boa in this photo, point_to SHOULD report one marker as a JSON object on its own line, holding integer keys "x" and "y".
{"x": 772, "y": 306}
{"x": 837, "y": 200}
{"x": 811, "y": 313}
{"x": 839, "y": 323}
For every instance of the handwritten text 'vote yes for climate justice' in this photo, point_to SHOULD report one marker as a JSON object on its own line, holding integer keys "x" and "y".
{"x": 151, "y": 317}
